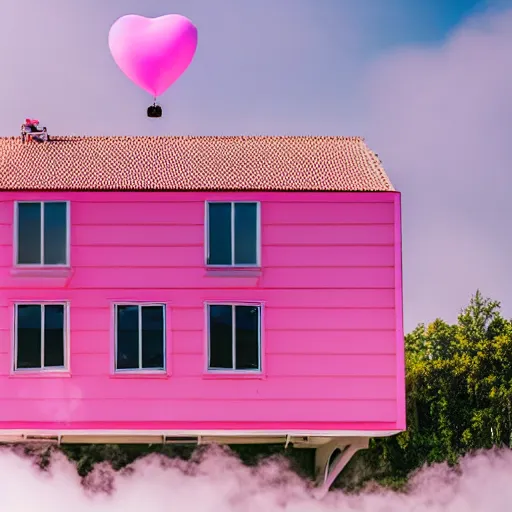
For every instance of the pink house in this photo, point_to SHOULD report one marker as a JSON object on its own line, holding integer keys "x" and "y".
{"x": 200, "y": 289}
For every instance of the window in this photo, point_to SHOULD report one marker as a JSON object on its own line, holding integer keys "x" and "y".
{"x": 234, "y": 337}
{"x": 233, "y": 234}
{"x": 40, "y": 337}
{"x": 42, "y": 233}
{"x": 140, "y": 337}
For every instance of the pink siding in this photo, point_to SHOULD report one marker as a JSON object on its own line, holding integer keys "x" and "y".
{"x": 331, "y": 288}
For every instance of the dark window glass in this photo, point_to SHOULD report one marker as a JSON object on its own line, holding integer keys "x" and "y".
{"x": 28, "y": 336}
{"x": 247, "y": 320}
{"x": 221, "y": 336}
{"x": 219, "y": 233}
{"x": 127, "y": 337}
{"x": 29, "y": 233}
{"x": 245, "y": 233}
{"x": 55, "y": 233}
{"x": 247, "y": 334}
{"x": 152, "y": 337}
{"x": 53, "y": 335}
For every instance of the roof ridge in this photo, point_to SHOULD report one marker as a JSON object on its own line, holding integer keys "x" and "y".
{"x": 283, "y": 137}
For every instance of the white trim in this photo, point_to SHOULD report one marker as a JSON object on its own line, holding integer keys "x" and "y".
{"x": 233, "y": 340}
{"x": 139, "y": 325}
{"x": 232, "y": 233}
{"x": 258, "y": 233}
{"x": 233, "y": 305}
{"x": 113, "y": 338}
{"x": 207, "y": 235}
{"x": 67, "y": 346}
{"x": 206, "y": 432}
{"x": 41, "y": 232}
{"x": 66, "y": 333}
{"x": 206, "y": 339}
{"x": 140, "y": 305}
{"x": 41, "y": 227}
{"x": 42, "y": 335}
{"x": 68, "y": 233}
{"x": 262, "y": 338}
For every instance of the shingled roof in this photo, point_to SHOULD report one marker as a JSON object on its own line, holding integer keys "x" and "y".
{"x": 192, "y": 163}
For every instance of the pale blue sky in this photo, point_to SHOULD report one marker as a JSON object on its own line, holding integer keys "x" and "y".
{"x": 426, "y": 81}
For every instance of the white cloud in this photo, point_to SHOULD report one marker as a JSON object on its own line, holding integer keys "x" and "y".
{"x": 441, "y": 119}
{"x": 222, "y": 484}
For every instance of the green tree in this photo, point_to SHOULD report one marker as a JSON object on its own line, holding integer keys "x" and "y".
{"x": 459, "y": 390}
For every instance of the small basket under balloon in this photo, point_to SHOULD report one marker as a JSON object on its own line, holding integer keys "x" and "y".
{"x": 154, "y": 110}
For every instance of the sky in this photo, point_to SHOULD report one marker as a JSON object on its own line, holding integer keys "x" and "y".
{"x": 427, "y": 82}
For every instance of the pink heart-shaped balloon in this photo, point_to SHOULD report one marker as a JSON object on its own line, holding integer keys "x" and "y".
{"x": 153, "y": 52}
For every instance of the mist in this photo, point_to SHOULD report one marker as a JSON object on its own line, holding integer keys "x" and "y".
{"x": 217, "y": 481}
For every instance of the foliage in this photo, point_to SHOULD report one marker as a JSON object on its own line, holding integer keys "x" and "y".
{"x": 459, "y": 393}
{"x": 459, "y": 399}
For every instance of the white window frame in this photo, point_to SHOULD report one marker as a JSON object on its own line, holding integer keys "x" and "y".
{"x": 207, "y": 235}
{"x": 140, "y": 305}
{"x": 41, "y": 249}
{"x": 42, "y": 369}
{"x": 233, "y": 370}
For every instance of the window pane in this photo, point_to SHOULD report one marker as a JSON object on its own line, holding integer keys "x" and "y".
{"x": 127, "y": 337}
{"x": 29, "y": 233}
{"x": 152, "y": 337}
{"x": 53, "y": 335}
{"x": 247, "y": 320}
{"x": 55, "y": 236}
{"x": 29, "y": 336}
{"x": 245, "y": 233}
{"x": 219, "y": 233}
{"x": 221, "y": 336}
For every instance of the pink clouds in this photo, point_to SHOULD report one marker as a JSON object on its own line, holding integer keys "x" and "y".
{"x": 442, "y": 119}
{"x": 220, "y": 483}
